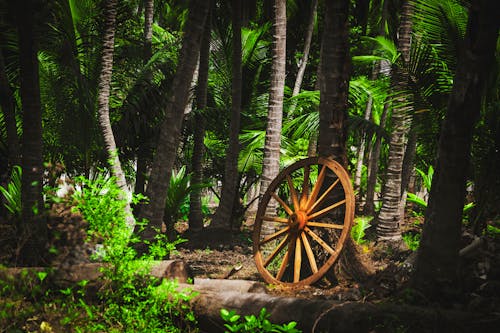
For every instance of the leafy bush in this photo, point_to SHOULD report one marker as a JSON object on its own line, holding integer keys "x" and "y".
{"x": 132, "y": 300}
{"x": 253, "y": 324}
{"x": 12, "y": 193}
{"x": 361, "y": 223}
{"x": 412, "y": 240}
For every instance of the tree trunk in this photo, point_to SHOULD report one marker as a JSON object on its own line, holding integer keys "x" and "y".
{"x": 33, "y": 229}
{"x": 408, "y": 166}
{"x": 195, "y": 212}
{"x": 171, "y": 126}
{"x": 305, "y": 55}
{"x": 361, "y": 152}
{"x": 223, "y": 214}
{"x": 271, "y": 161}
{"x": 389, "y": 219}
{"x": 371, "y": 183}
{"x": 103, "y": 106}
{"x": 437, "y": 264}
{"x": 9, "y": 115}
{"x": 143, "y": 155}
{"x": 334, "y": 83}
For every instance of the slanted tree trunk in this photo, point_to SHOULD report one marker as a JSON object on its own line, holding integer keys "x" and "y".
{"x": 171, "y": 126}
{"x": 229, "y": 192}
{"x": 9, "y": 115}
{"x": 438, "y": 254}
{"x": 32, "y": 231}
{"x": 103, "y": 106}
{"x": 195, "y": 213}
{"x": 389, "y": 218}
{"x": 305, "y": 54}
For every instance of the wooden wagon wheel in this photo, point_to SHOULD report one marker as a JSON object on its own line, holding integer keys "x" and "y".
{"x": 303, "y": 221}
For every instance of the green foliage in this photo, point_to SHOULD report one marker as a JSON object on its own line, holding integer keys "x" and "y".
{"x": 12, "y": 193}
{"x": 132, "y": 300}
{"x": 253, "y": 324}
{"x": 412, "y": 240}
{"x": 177, "y": 201}
{"x": 361, "y": 223}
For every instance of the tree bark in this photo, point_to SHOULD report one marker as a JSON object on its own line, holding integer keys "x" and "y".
{"x": 271, "y": 161}
{"x": 32, "y": 232}
{"x": 229, "y": 192}
{"x": 437, "y": 264}
{"x": 334, "y": 83}
{"x": 171, "y": 126}
{"x": 103, "y": 106}
{"x": 195, "y": 211}
{"x": 389, "y": 218}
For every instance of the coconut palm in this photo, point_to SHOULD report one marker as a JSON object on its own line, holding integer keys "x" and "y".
{"x": 438, "y": 256}
{"x": 171, "y": 126}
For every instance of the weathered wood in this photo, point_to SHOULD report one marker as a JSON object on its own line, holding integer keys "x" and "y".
{"x": 316, "y": 315}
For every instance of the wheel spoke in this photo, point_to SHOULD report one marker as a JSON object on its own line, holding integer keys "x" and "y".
{"x": 274, "y": 236}
{"x": 297, "y": 261}
{"x": 316, "y": 187}
{"x": 284, "y": 263}
{"x": 293, "y": 193}
{"x": 288, "y": 210}
{"x": 274, "y": 219}
{"x": 277, "y": 250}
{"x": 325, "y": 225}
{"x": 319, "y": 240}
{"x": 305, "y": 188}
{"x": 309, "y": 252}
{"x": 322, "y": 197}
{"x": 326, "y": 210}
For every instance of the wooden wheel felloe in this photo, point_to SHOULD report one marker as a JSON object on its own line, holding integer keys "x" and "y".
{"x": 303, "y": 221}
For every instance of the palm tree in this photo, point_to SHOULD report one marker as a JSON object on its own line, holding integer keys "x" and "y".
{"x": 271, "y": 161}
{"x": 171, "y": 126}
{"x": 389, "y": 217}
{"x": 142, "y": 154}
{"x": 195, "y": 212}
{"x": 103, "y": 104}
{"x": 222, "y": 217}
{"x": 33, "y": 230}
{"x": 438, "y": 255}
{"x": 334, "y": 83}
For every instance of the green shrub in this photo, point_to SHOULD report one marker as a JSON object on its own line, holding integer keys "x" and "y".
{"x": 361, "y": 223}
{"x": 412, "y": 240}
{"x": 12, "y": 193}
{"x": 253, "y": 324}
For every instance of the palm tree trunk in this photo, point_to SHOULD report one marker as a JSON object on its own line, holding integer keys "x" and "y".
{"x": 195, "y": 212}
{"x": 305, "y": 54}
{"x": 437, "y": 264}
{"x": 33, "y": 230}
{"x": 334, "y": 83}
{"x": 369, "y": 208}
{"x": 271, "y": 160}
{"x": 389, "y": 219}
{"x": 408, "y": 165}
{"x": 361, "y": 151}
{"x": 143, "y": 154}
{"x": 171, "y": 126}
{"x": 9, "y": 114}
{"x": 103, "y": 105}
{"x": 229, "y": 191}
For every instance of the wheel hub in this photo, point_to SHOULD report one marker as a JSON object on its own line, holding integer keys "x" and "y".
{"x": 298, "y": 220}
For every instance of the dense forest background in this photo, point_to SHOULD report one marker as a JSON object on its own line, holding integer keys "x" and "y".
{"x": 161, "y": 104}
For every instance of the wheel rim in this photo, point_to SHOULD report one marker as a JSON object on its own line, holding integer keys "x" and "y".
{"x": 297, "y": 243}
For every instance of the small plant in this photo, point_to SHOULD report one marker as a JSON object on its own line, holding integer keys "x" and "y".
{"x": 253, "y": 324}
{"x": 412, "y": 240}
{"x": 361, "y": 223}
{"x": 12, "y": 193}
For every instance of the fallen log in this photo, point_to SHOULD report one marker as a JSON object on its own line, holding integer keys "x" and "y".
{"x": 316, "y": 315}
